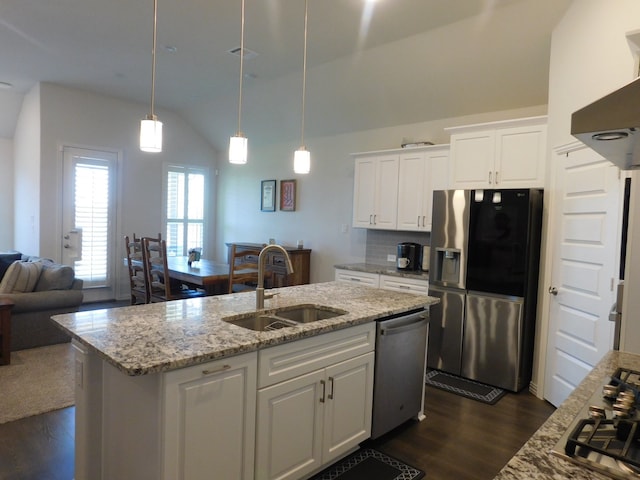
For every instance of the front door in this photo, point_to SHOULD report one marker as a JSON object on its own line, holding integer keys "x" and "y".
{"x": 88, "y": 222}
{"x": 586, "y": 255}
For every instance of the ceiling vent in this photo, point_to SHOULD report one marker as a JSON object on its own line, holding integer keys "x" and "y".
{"x": 248, "y": 54}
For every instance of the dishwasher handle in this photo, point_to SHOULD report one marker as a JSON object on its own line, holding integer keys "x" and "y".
{"x": 392, "y": 330}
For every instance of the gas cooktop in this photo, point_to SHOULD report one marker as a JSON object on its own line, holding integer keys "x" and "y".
{"x": 605, "y": 434}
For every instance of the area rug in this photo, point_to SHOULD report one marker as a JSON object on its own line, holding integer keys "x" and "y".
{"x": 462, "y": 386}
{"x": 36, "y": 381}
{"x": 370, "y": 464}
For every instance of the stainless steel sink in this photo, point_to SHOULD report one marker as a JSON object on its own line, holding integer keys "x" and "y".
{"x": 308, "y": 313}
{"x": 260, "y": 323}
{"x": 283, "y": 317}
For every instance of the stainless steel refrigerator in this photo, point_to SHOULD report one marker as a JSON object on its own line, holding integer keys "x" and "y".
{"x": 485, "y": 247}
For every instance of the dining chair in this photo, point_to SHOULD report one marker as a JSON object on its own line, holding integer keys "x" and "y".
{"x": 243, "y": 269}
{"x": 137, "y": 278}
{"x": 161, "y": 286}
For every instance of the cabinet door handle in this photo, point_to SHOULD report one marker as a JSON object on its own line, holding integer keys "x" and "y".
{"x": 374, "y": 218}
{"x": 216, "y": 370}
{"x": 424, "y": 220}
{"x": 497, "y": 177}
{"x": 490, "y": 176}
{"x": 331, "y": 391}
{"x": 418, "y": 220}
{"x": 370, "y": 219}
{"x": 324, "y": 390}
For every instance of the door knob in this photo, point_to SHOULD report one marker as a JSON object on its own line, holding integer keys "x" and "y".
{"x": 553, "y": 290}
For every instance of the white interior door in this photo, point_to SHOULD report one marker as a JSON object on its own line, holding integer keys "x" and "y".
{"x": 88, "y": 216}
{"x": 587, "y": 217}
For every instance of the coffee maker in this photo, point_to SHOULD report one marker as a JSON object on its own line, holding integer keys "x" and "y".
{"x": 408, "y": 256}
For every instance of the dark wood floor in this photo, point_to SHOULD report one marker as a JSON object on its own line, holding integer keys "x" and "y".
{"x": 460, "y": 439}
{"x": 464, "y": 439}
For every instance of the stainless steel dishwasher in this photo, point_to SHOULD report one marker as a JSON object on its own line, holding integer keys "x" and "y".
{"x": 399, "y": 370}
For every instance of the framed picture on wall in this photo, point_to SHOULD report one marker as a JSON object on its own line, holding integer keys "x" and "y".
{"x": 268, "y": 195}
{"x": 287, "y": 195}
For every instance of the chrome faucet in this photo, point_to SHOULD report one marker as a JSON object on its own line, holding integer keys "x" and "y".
{"x": 260, "y": 296}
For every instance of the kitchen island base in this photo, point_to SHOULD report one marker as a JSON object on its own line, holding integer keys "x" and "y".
{"x": 314, "y": 399}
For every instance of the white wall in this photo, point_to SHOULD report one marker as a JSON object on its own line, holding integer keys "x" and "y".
{"x": 6, "y": 194}
{"x": 54, "y": 116}
{"x": 325, "y": 196}
{"x": 26, "y": 149}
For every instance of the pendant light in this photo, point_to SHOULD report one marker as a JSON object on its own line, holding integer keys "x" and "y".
{"x": 238, "y": 143}
{"x": 302, "y": 157}
{"x": 150, "y": 127}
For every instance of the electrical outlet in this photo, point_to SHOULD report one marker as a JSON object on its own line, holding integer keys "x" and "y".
{"x": 391, "y": 258}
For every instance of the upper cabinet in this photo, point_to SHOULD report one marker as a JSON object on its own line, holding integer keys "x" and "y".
{"x": 420, "y": 174}
{"x": 375, "y": 193}
{"x": 393, "y": 188}
{"x": 506, "y": 154}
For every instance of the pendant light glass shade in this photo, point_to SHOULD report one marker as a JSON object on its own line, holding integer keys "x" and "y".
{"x": 302, "y": 157}
{"x": 150, "y": 127}
{"x": 238, "y": 143}
{"x": 151, "y": 135}
{"x": 238, "y": 149}
{"x": 302, "y": 160}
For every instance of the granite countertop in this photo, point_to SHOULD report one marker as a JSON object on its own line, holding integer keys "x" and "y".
{"x": 534, "y": 460}
{"x": 158, "y": 337}
{"x": 384, "y": 270}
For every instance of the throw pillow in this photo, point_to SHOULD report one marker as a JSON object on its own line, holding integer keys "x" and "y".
{"x": 54, "y": 277}
{"x": 6, "y": 259}
{"x": 20, "y": 277}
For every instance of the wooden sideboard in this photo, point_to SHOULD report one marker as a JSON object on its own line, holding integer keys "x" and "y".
{"x": 300, "y": 259}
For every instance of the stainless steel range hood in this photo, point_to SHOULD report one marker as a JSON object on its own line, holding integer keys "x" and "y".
{"x": 611, "y": 126}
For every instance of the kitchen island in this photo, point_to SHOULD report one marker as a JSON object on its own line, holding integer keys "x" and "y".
{"x": 534, "y": 461}
{"x": 172, "y": 390}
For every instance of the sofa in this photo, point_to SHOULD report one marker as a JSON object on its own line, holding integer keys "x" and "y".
{"x": 39, "y": 288}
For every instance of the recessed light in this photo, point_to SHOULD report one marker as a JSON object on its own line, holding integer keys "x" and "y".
{"x": 5, "y": 85}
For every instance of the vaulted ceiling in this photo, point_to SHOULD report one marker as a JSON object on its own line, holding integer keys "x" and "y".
{"x": 370, "y": 64}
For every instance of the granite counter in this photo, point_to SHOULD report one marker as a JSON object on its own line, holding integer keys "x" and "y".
{"x": 152, "y": 338}
{"x": 534, "y": 460}
{"x": 384, "y": 270}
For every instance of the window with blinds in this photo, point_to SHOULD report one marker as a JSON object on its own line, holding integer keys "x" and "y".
{"x": 185, "y": 209}
{"x": 91, "y": 209}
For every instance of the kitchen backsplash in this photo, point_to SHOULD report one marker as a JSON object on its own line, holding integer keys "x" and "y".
{"x": 381, "y": 243}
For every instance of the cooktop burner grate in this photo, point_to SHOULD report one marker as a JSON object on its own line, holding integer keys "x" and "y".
{"x": 617, "y": 439}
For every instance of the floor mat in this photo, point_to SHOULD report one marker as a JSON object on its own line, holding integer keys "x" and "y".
{"x": 370, "y": 464}
{"x": 462, "y": 386}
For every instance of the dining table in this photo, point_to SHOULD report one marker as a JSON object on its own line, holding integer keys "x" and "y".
{"x": 211, "y": 276}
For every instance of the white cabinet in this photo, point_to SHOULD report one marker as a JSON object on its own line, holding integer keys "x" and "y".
{"x": 508, "y": 154}
{"x": 192, "y": 423}
{"x": 393, "y": 189}
{"x": 375, "y": 193}
{"x": 386, "y": 282}
{"x": 210, "y": 409}
{"x": 420, "y": 173}
{"x": 315, "y": 402}
{"x": 404, "y": 284}
{"x": 360, "y": 278}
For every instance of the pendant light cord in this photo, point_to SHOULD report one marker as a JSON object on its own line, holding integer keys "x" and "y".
{"x": 304, "y": 71}
{"x": 153, "y": 57}
{"x": 241, "y": 66}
